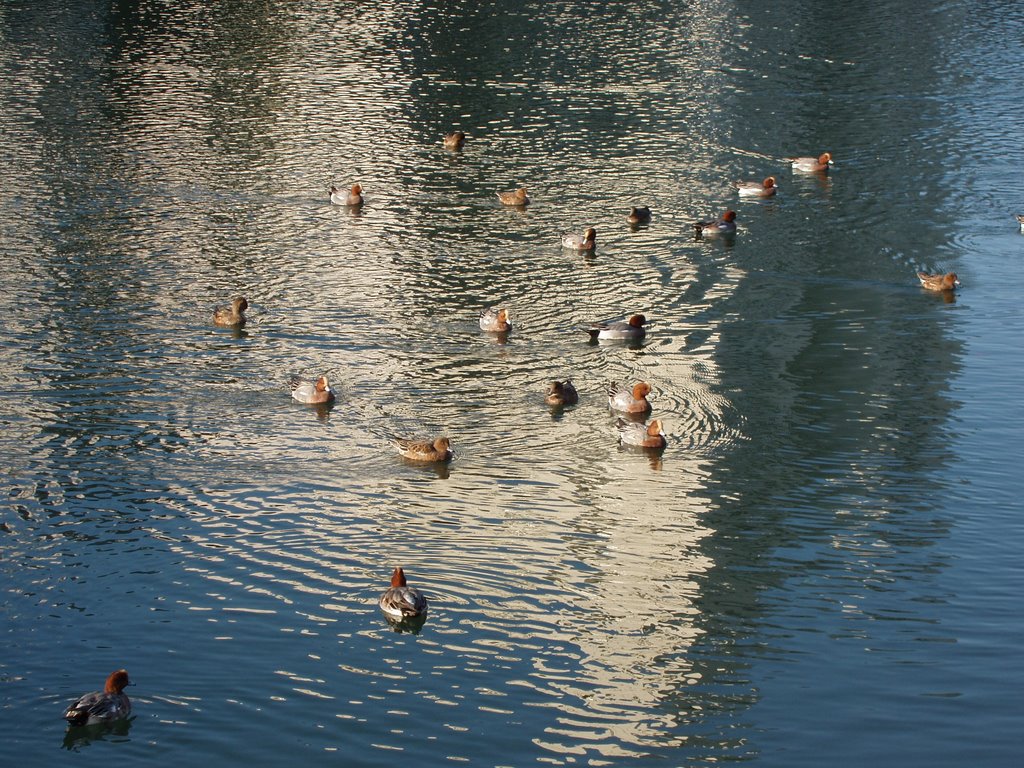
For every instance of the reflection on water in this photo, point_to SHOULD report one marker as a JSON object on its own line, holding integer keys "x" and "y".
{"x": 170, "y": 508}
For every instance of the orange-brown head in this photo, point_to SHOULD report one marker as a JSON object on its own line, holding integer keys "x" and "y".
{"x": 654, "y": 429}
{"x": 398, "y": 578}
{"x": 641, "y": 390}
{"x": 321, "y": 384}
{"x": 769, "y": 182}
{"x": 357, "y": 189}
{"x": 825, "y": 158}
{"x": 637, "y": 321}
{"x": 117, "y": 682}
{"x": 442, "y": 444}
{"x": 729, "y": 216}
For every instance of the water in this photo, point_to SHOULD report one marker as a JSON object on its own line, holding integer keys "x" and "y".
{"x": 823, "y": 564}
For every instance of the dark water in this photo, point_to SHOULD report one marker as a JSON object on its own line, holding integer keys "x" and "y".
{"x": 823, "y": 566}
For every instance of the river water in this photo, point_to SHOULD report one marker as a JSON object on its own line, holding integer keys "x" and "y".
{"x": 823, "y": 565}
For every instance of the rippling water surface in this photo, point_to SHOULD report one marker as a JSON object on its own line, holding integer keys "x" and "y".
{"x": 822, "y": 566}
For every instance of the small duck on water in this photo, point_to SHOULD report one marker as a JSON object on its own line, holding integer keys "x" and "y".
{"x": 639, "y": 215}
{"x": 454, "y": 140}
{"x": 106, "y": 706}
{"x": 312, "y": 393}
{"x": 561, "y": 393}
{"x": 651, "y": 436}
{"x": 353, "y": 199}
{"x": 939, "y": 282}
{"x": 584, "y": 242}
{"x": 402, "y": 602}
{"x": 723, "y": 226}
{"x": 438, "y": 449}
{"x": 628, "y": 330}
{"x": 765, "y": 188}
{"x": 516, "y": 197}
{"x": 629, "y": 399}
{"x": 232, "y": 316}
{"x": 495, "y": 320}
{"x": 819, "y": 164}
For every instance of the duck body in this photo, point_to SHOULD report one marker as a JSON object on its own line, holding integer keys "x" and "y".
{"x": 353, "y": 198}
{"x": 454, "y": 140}
{"x": 584, "y": 242}
{"x": 629, "y": 399}
{"x": 106, "y": 706}
{"x": 723, "y": 226}
{"x": 819, "y": 164}
{"x": 939, "y": 282}
{"x": 402, "y": 602}
{"x": 561, "y": 393}
{"x": 621, "y": 330}
{"x": 232, "y": 316}
{"x": 438, "y": 449}
{"x": 495, "y": 320}
{"x": 515, "y": 197}
{"x": 312, "y": 392}
{"x": 639, "y": 215}
{"x": 766, "y": 188}
{"x": 650, "y": 436}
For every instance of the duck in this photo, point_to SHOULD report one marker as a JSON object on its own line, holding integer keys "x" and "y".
{"x": 353, "y": 199}
{"x": 104, "y": 706}
{"x": 629, "y": 399}
{"x": 494, "y": 320}
{"x": 939, "y": 282}
{"x": 233, "y": 315}
{"x": 402, "y": 602}
{"x": 561, "y": 393}
{"x": 454, "y": 140}
{"x": 818, "y": 164}
{"x": 515, "y": 197}
{"x": 1020, "y": 221}
{"x": 584, "y": 242}
{"x": 630, "y": 330}
{"x": 765, "y": 188}
{"x": 438, "y": 449}
{"x": 317, "y": 392}
{"x": 639, "y": 215}
{"x": 643, "y": 436}
{"x": 723, "y": 226}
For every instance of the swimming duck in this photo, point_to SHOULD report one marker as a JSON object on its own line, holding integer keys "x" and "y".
{"x": 232, "y": 316}
{"x": 402, "y": 602}
{"x": 454, "y": 140}
{"x": 723, "y": 226}
{"x": 946, "y": 282}
{"x": 631, "y": 330}
{"x": 495, "y": 320}
{"x": 515, "y": 197}
{"x": 639, "y": 215}
{"x": 438, "y": 449}
{"x": 584, "y": 242}
{"x": 818, "y": 164}
{"x": 561, "y": 393}
{"x": 629, "y": 399}
{"x": 104, "y": 706}
{"x": 1020, "y": 221}
{"x": 649, "y": 436}
{"x": 764, "y": 188}
{"x": 312, "y": 393}
{"x": 353, "y": 199}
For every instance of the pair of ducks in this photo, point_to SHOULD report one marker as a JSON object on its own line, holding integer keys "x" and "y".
{"x": 319, "y": 392}
{"x": 400, "y": 603}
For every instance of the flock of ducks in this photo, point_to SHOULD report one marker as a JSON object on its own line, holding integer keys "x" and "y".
{"x": 403, "y": 606}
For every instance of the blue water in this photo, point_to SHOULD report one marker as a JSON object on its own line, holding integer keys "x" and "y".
{"x": 822, "y": 566}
